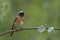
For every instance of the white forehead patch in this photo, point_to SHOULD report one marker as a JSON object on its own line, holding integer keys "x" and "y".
{"x": 21, "y": 11}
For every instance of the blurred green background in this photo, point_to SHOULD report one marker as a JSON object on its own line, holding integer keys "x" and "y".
{"x": 37, "y": 12}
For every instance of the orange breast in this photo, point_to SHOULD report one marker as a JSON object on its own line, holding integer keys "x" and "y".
{"x": 19, "y": 19}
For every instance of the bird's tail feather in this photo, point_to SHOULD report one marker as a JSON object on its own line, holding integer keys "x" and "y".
{"x": 12, "y": 31}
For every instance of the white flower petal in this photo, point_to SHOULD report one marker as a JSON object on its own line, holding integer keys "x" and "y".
{"x": 50, "y": 29}
{"x": 41, "y": 28}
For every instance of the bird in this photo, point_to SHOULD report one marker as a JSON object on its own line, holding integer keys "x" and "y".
{"x": 18, "y": 20}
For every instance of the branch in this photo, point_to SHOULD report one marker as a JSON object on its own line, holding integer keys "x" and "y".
{"x": 21, "y": 29}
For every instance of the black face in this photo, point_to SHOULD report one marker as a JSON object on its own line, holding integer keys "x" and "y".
{"x": 21, "y": 14}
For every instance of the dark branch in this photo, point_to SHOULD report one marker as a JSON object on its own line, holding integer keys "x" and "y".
{"x": 21, "y": 29}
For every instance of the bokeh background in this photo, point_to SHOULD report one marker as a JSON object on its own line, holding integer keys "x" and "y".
{"x": 37, "y": 12}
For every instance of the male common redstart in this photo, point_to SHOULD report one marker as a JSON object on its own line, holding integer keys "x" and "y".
{"x": 18, "y": 20}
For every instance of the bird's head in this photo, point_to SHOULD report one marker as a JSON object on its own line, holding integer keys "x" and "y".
{"x": 21, "y": 13}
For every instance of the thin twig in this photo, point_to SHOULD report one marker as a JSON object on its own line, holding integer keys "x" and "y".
{"x": 21, "y": 29}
